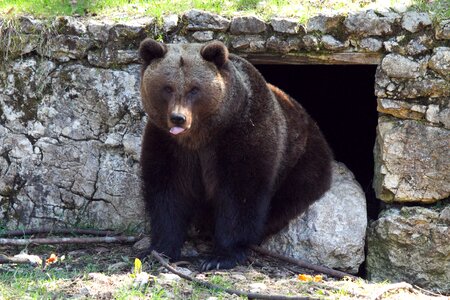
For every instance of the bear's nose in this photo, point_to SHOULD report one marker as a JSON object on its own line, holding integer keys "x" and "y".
{"x": 177, "y": 118}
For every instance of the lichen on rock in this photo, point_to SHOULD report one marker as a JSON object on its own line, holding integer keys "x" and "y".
{"x": 412, "y": 244}
{"x": 332, "y": 232}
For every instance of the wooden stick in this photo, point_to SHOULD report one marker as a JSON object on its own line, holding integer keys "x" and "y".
{"x": 69, "y": 240}
{"x": 216, "y": 287}
{"x": 11, "y": 233}
{"x": 303, "y": 264}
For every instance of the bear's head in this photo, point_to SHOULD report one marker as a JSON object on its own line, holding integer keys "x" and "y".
{"x": 185, "y": 88}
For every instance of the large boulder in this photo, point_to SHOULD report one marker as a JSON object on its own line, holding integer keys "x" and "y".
{"x": 411, "y": 244}
{"x": 69, "y": 145}
{"x": 411, "y": 161}
{"x": 332, "y": 231}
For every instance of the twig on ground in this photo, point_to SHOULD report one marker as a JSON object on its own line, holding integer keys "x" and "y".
{"x": 11, "y": 233}
{"x": 69, "y": 240}
{"x": 216, "y": 287}
{"x": 428, "y": 292}
{"x": 392, "y": 288}
{"x": 303, "y": 264}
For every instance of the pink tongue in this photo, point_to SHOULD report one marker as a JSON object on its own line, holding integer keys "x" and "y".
{"x": 176, "y": 130}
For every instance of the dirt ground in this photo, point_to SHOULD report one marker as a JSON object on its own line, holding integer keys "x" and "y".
{"x": 107, "y": 272}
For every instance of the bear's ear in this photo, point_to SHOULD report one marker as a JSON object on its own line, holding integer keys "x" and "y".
{"x": 151, "y": 49}
{"x": 215, "y": 52}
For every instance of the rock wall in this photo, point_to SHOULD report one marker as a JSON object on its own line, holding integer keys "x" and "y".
{"x": 69, "y": 144}
{"x": 70, "y": 117}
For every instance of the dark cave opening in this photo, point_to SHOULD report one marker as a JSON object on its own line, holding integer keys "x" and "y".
{"x": 342, "y": 101}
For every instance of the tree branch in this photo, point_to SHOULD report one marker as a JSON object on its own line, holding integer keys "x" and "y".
{"x": 70, "y": 240}
{"x": 11, "y": 233}
{"x": 302, "y": 263}
{"x": 216, "y": 287}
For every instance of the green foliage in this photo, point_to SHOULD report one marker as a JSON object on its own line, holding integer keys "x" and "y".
{"x": 439, "y": 9}
{"x": 301, "y": 9}
{"x": 44, "y": 8}
{"x": 32, "y": 283}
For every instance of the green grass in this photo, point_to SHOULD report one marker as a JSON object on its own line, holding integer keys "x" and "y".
{"x": 28, "y": 282}
{"x": 301, "y": 9}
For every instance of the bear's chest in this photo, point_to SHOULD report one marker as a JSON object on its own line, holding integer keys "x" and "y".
{"x": 208, "y": 170}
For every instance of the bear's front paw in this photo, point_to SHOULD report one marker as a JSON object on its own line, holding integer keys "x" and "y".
{"x": 223, "y": 262}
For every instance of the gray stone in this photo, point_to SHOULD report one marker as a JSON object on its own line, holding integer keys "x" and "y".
{"x": 30, "y": 25}
{"x": 112, "y": 57}
{"x": 66, "y": 47}
{"x": 418, "y": 46}
{"x": 311, "y": 42}
{"x": 21, "y": 44}
{"x": 398, "y": 66}
{"x": 99, "y": 30}
{"x": 285, "y": 25}
{"x": 278, "y": 44}
{"x": 325, "y": 23}
{"x": 170, "y": 23}
{"x": 392, "y": 46}
{"x": 202, "y": 20}
{"x": 131, "y": 32}
{"x": 248, "y": 43}
{"x": 56, "y": 146}
{"x": 332, "y": 231}
{"x": 371, "y": 44}
{"x": 142, "y": 244}
{"x": 368, "y": 23}
{"x": 445, "y": 214}
{"x": 176, "y": 39}
{"x": 440, "y": 61}
{"x": 427, "y": 87}
{"x": 443, "y": 30}
{"x": 203, "y": 36}
{"x": 411, "y": 161}
{"x": 330, "y": 43}
{"x": 439, "y": 114}
{"x": 69, "y": 25}
{"x": 411, "y": 244}
{"x": 414, "y": 21}
{"x": 247, "y": 25}
{"x": 401, "y": 109}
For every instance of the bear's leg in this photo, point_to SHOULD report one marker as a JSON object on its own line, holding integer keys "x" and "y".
{"x": 239, "y": 220}
{"x": 169, "y": 219}
{"x": 169, "y": 209}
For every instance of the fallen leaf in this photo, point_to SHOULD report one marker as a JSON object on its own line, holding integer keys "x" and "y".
{"x": 317, "y": 278}
{"x": 305, "y": 277}
{"x": 52, "y": 259}
{"x": 137, "y": 266}
{"x": 309, "y": 278}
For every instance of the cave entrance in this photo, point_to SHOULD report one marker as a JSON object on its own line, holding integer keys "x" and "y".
{"x": 341, "y": 99}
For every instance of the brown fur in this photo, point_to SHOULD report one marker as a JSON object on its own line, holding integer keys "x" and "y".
{"x": 248, "y": 161}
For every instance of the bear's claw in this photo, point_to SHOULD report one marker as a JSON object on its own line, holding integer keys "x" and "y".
{"x": 216, "y": 263}
{"x": 223, "y": 262}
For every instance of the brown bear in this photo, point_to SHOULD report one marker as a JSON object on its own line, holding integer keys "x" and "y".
{"x": 224, "y": 150}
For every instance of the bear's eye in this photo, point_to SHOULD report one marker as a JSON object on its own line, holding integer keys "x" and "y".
{"x": 168, "y": 90}
{"x": 194, "y": 91}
